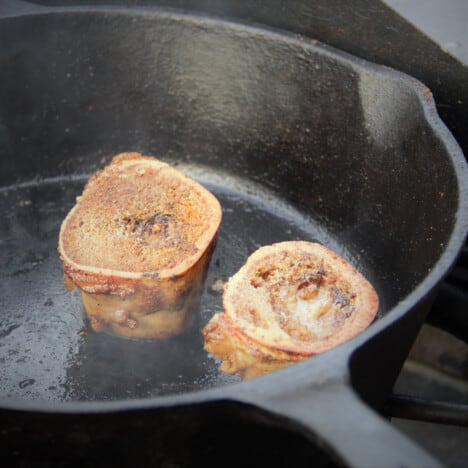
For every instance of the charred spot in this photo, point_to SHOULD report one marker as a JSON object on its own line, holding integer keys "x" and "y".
{"x": 143, "y": 226}
{"x": 320, "y": 275}
{"x": 262, "y": 275}
{"x": 256, "y": 282}
{"x": 307, "y": 289}
{"x": 349, "y": 312}
{"x": 342, "y": 299}
{"x": 266, "y": 274}
{"x": 310, "y": 282}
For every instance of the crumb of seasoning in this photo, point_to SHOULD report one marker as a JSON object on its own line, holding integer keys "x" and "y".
{"x": 217, "y": 285}
{"x": 24, "y": 202}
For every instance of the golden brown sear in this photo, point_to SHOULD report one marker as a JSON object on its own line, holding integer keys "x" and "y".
{"x": 137, "y": 244}
{"x": 289, "y": 301}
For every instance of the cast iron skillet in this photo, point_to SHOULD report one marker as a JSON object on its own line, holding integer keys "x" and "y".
{"x": 297, "y": 140}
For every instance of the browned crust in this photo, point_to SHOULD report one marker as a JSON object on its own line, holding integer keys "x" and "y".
{"x": 95, "y": 279}
{"x": 256, "y": 335}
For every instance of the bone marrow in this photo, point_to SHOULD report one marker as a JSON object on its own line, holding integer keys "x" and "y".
{"x": 289, "y": 301}
{"x": 137, "y": 244}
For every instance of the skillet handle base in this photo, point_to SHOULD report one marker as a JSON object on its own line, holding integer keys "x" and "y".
{"x": 351, "y": 431}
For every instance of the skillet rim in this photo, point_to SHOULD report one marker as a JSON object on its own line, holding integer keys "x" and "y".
{"x": 340, "y": 355}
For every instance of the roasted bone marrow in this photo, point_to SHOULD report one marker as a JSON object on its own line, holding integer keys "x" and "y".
{"x": 289, "y": 301}
{"x": 137, "y": 244}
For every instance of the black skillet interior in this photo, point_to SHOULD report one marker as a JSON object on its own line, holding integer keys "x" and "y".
{"x": 297, "y": 141}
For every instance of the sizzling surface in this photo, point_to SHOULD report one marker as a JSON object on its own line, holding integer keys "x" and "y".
{"x": 48, "y": 352}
